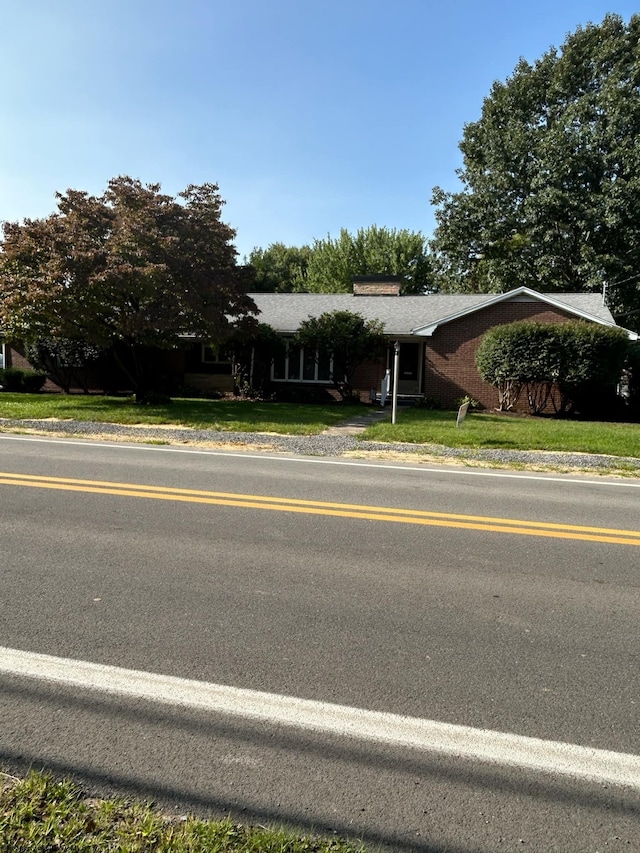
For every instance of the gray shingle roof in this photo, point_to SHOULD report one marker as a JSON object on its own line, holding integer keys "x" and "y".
{"x": 406, "y": 315}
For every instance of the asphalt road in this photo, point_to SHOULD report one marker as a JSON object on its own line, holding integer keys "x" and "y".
{"x": 449, "y": 595}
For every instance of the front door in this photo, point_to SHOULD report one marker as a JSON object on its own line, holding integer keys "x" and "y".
{"x": 409, "y": 368}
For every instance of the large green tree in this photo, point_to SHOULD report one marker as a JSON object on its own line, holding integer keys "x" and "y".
{"x": 551, "y": 177}
{"x": 329, "y": 265}
{"x": 280, "y": 268}
{"x": 370, "y": 251}
{"x": 132, "y": 269}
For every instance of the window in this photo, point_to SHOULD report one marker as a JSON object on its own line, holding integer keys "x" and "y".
{"x": 218, "y": 359}
{"x": 1, "y": 355}
{"x": 215, "y": 355}
{"x": 300, "y": 365}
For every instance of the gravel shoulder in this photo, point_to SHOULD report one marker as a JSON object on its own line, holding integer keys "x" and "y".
{"x": 333, "y": 442}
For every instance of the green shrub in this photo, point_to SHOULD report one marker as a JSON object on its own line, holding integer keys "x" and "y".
{"x": 574, "y": 366}
{"x": 11, "y": 379}
{"x": 516, "y": 357}
{"x": 593, "y": 359}
{"x": 23, "y": 381}
{"x": 33, "y": 382}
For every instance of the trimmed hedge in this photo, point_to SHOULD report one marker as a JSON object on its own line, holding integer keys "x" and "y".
{"x": 573, "y": 366}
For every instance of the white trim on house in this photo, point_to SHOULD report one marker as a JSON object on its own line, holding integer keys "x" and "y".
{"x": 288, "y": 366}
{"x": 513, "y": 296}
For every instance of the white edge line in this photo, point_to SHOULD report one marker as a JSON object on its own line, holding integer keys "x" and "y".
{"x": 462, "y": 742}
{"x": 416, "y": 467}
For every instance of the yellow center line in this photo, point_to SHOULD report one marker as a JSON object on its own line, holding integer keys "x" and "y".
{"x": 326, "y": 508}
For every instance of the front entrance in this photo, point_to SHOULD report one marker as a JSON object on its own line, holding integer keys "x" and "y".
{"x": 410, "y": 372}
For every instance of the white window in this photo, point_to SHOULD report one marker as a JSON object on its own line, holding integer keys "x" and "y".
{"x": 301, "y": 365}
{"x": 1, "y": 355}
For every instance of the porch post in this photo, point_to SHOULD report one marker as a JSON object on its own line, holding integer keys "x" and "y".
{"x": 396, "y": 373}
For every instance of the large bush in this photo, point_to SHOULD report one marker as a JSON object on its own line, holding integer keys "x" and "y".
{"x": 23, "y": 381}
{"x": 593, "y": 360}
{"x": 574, "y": 367}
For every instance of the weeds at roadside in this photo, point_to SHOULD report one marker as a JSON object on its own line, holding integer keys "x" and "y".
{"x": 42, "y": 814}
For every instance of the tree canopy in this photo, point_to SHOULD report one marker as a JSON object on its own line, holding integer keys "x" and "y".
{"x": 551, "y": 177}
{"x": 370, "y": 251}
{"x": 280, "y": 268}
{"x": 347, "y": 339}
{"x": 130, "y": 269}
{"x": 329, "y": 265}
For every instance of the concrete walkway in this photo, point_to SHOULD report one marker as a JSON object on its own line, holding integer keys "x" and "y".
{"x": 358, "y": 423}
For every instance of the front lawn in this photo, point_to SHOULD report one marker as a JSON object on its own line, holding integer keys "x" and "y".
{"x": 415, "y": 426}
{"x": 423, "y": 426}
{"x": 231, "y": 415}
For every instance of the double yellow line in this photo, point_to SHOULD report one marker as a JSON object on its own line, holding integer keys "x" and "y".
{"x": 341, "y": 510}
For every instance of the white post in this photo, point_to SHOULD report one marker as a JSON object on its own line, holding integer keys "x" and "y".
{"x": 384, "y": 387}
{"x": 396, "y": 373}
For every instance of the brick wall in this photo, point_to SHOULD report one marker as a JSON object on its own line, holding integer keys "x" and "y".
{"x": 450, "y": 368}
{"x": 368, "y": 376}
{"x": 13, "y": 358}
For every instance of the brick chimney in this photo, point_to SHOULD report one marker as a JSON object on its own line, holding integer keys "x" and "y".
{"x": 377, "y": 285}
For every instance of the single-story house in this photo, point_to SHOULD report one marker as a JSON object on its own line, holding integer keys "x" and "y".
{"x": 438, "y": 333}
{"x": 438, "y": 336}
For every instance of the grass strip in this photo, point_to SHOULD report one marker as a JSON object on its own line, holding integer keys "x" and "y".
{"x": 510, "y": 432}
{"x": 223, "y": 415}
{"x": 414, "y": 426}
{"x": 41, "y": 815}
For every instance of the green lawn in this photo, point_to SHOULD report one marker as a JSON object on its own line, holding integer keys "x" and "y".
{"x": 416, "y": 426}
{"x": 232, "y": 415}
{"x": 423, "y": 426}
{"x": 41, "y": 814}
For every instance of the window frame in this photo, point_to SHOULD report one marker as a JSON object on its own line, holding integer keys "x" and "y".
{"x": 301, "y": 365}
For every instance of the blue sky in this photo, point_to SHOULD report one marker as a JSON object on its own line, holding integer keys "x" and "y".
{"x": 311, "y": 115}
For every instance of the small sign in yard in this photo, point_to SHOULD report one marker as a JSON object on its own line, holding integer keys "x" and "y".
{"x": 462, "y": 413}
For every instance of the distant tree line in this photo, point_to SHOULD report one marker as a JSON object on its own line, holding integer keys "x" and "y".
{"x": 330, "y": 265}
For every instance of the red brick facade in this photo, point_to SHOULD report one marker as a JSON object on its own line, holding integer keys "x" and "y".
{"x": 450, "y": 369}
{"x": 13, "y": 358}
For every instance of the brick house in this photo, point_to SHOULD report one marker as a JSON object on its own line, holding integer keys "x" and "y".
{"x": 438, "y": 333}
{"x": 438, "y": 336}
